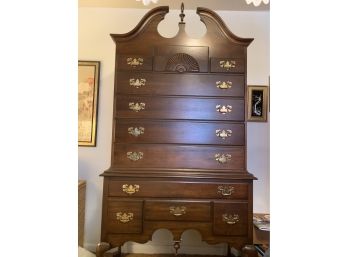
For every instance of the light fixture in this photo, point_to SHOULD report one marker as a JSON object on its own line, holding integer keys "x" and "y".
{"x": 147, "y": 2}
{"x": 257, "y": 2}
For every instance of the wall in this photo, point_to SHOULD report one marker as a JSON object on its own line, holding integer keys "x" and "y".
{"x": 95, "y": 25}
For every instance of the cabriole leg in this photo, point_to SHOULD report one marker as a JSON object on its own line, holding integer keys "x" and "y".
{"x": 249, "y": 251}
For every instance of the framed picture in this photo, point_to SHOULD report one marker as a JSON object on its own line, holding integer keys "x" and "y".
{"x": 257, "y": 103}
{"x": 88, "y": 83}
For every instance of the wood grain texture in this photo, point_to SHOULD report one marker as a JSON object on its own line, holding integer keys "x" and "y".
{"x": 178, "y": 156}
{"x": 178, "y": 189}
{"x": 188, "y": 210}
{"x": 179, "y": 132}
{"x": 180, "y": 108}
{"x": 185, "y": 174}
{"x": 186, "y": 84}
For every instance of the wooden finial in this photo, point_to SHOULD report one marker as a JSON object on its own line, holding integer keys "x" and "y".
{"x": 182, "y": 15}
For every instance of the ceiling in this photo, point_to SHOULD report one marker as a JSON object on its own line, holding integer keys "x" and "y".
{"x": 234, "y": 5}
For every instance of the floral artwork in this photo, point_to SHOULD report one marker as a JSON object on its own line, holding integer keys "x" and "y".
{"x": 88, "y": 80}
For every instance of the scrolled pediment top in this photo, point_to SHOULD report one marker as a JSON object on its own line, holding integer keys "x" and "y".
{"x": 153, "y": 17}
{"x": 207, "y": 15}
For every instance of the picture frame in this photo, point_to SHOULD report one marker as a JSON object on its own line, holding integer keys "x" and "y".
{"x": 258, "y": 103}
{"x": 88, "y": 87}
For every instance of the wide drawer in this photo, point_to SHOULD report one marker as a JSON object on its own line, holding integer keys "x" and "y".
{"x": 229, "y": 65}
{"x": 179, "y": 132}
{"x": 124, "y": 216}
{"x": 230, "y": 218}
{"x": 177, "y": 210}
{"x": 178, "y": 156}
{"x": 180, "y": 108}
{"x": 180, "y": 84}
{"x": 183, "y": 189}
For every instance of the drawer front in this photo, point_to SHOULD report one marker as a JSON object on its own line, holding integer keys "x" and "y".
{"x": 180, "y": 108}
{"x": 180, "y": 84}
{"x": 178, "y": 157}
{"x": 228, "y": 65}
{"x": 179, "y": 132}
{"x": 177, "y": 210}
{"x": 230, "y": 218}
{"x": 124, "y": 216}
{"x": 134, "y": 62}
{"x": 136, "y": 188}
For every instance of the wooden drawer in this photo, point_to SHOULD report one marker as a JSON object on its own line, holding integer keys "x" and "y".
{"x": 229, "y": 65}
{"x": 230, "y": 218}
{"x": 177, "y": 210}
{"x": 134, "y": 62}
{"x": 81, "y": 211}
{"x": 124, "y": 216}
{"x": 179, "y": 132}
{"x": 180, "y": 84}
{"x": 136, "y": 188}
{"x": 178, "y": 156}
{"x": 180, "y": 108}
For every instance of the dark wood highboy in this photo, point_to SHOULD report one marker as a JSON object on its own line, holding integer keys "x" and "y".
{"x": 179, "y": 137}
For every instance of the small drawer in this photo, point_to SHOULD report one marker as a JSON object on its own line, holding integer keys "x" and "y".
{"x": 124, "y": 216}
{"x": 228, "y": 65}
{"x": 134, "y": 62}
{"x": 230, "y": 218}
{"x": 177, "y": 210}
{"x": 136, "y": 188}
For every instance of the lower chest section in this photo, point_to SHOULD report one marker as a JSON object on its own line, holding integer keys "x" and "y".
{"x": 138, "y": 207}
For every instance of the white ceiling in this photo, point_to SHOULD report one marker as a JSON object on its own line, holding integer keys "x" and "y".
{"x": 235, "y": 5}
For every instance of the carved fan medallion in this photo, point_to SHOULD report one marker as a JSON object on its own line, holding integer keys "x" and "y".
{"x": 182, "y": 63}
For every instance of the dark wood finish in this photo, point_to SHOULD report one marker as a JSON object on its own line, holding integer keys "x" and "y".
{"x": 81, "y": 207}
{"x": 133, "y": 207}
{"x": 176, "y": 189}
{"x": 169, "y": 176}
{"x": 179, "y": 132}
{"x": 178, "y": 156}
{"x": 186, "y": 210}
{"x": 249, "y": 251}
{"x": 221, "y": 227}
{"x": 179, "y": 108}
{"x": 172, "y": 57}
{"x": 102, "y": 247}
{"x": 174, "y": 84}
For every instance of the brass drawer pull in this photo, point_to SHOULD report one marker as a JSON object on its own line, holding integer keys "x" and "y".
{"x": 136, "y": 106}
{"x": 223, "y": 158}
{"x": 223, "y": 84}
{"x": 124, "y": 217}
{"x": 228, "y": 64}
{"x": 225, "y": 190}
{"x": 130, "y": 189}
{"x": 223, "y": 109}
{"x": 136, "y": 131}
{"x": 230, "y": 218}
{"x": 223, "y": 133}
{"x": 177, "y": 210}
{"x": 135, "y": 156}
{"x": 135, "y": 61}
{"x": 137, "y": 82}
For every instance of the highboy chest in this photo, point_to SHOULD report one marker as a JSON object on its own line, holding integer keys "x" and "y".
{"x": 179, "y": 137}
